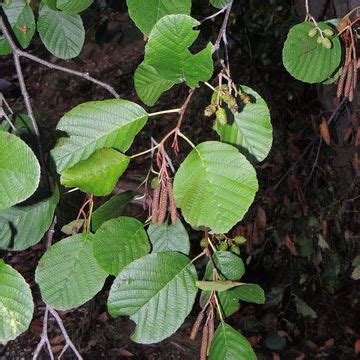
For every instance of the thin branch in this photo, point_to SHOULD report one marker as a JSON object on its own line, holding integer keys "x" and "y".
{"x": 84, "y": 75}
{"x": 184, "y": 107}
{"x": 68, "y": 341}
{"x": 223, "y": 27}
{"x": 20, "y": 53}
{"x": 48, "y": 309}
{"x": 214, "y": 15}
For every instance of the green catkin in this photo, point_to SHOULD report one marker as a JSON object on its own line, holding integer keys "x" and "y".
{"x": 221, "y": 116}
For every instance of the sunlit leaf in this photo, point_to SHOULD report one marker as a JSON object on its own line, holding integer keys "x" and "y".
{"x": 157, "y": 291}
{"x": 214, "y": 186}
{"x": 68, "y": 274}
{"x": 118, "y": 242}
{"x": 62, "y": 33}
{"x": 145, "y": 13}
{"x": 308, "y": 60}
{"x": 98, "y": 174}
{"x": 16, "y": 303}
{"x": 19, "y": 170}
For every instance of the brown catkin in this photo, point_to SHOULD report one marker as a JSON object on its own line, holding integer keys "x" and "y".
{"x": 155, "y": 205}
{"x": 197, "y": 324}
{"x": 204, "y": 342}
{"x": 211, "y": 332}
{"x": 349, "y": 79}
{"x": 172, "y": 204}
{"x": 341, "y": 81}
{"x": 163, "y": 203}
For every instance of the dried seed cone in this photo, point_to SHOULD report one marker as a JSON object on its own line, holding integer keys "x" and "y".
{"x": 211, "y": 332}
{"x": 204, "y": 342}
{"x": 349, "y": 78}
{"x": 155, "y": 205}
{"x": 197, "y": 324}
{"x": 341, "y": 82}
{"x": 172, "y": 204}
{"x": 163, "y": 203}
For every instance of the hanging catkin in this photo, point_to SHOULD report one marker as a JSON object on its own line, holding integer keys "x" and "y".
{"x": 197, "y": 324}
{"x": 163, "y": 203}
{"x": 155, "y": 205}
{"x": 204, "y": 342}
{"x": 172, "y": 205}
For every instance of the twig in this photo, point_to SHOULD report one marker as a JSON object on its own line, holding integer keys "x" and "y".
{"x": 25, "y": 94}
{"x": 215, "y": 15}
{"x": 223, "y": 27}
{"x": 20, "y": 53}
{"x": 84, "y": 75}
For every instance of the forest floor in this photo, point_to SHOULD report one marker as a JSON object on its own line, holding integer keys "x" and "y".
{"x": 282, "y": 227}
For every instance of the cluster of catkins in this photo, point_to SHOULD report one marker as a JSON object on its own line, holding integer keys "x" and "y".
{"x": 163, "y": 200}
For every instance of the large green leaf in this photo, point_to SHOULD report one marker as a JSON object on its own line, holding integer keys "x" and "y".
{"x": 19, "y": 170}
{"x": 157, "y": 292}
{"x": 22, "y": 21}
{"x": 146, "y": 13}
{"x": 23, "y": 226}
{"x": 167, "y": 51}
{"x": 73, "y": 6}
{"x": 95, "y": 125}
{"x": 169, "y": 237}
{"x": 250, "y": 293}
{"x": 111, "y": 209}
{"x": 16, "y": 303}
{"x": 228, "y": 344}
{"x": 68, "y": 274}
{"x": 118, "y": 242}
{"x": 62, "y": 33}
{"x": 307, "y": 60}
{"x": 214, "y": 186}
{"x": 98, "y": 174}
{"x": 228, "y": 264}
{"x": 149, "y": 85}
{"x": 251, "y": 129}
{"x": 219, "y": 3}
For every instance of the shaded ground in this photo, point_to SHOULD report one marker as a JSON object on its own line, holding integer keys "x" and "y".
{"x": 283, "y": 248}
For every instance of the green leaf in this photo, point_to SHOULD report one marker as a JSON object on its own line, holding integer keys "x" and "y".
{"x": 98, "y": 174}
{"x": 219, "y": 3}
{"x": 19, "y": 170}
{"x": 146, "y": 13}
{"x": 252, "y": 293}
{"x": 214, "y": 186}
{"x": 23, "y": 226}
{"x": 304, "y": 309}
{"x": 307, "y": 60}
{"x": 251, "y": 129}
{"x": 173, "y": 237}
{"x": 167, "y": 51}
{"x": 113, "y": 208}
{"x": 149, "y": 85}
{"x": 16, "y": 303}
{"x": 73, "y": 6}
{"x": 118, "y": 242}
{"x": 150, "y": 289}
{"x": 228, "y": 344}
{"x": 22, "y": 21}
{"x": 73, "y": 227}
{"x": 218, "y": 285}
{"x": 228, "y": 264}
{"x": 68, "y": 274}
{"x": 63, "y": 34}
{"x": 97, "y": 124}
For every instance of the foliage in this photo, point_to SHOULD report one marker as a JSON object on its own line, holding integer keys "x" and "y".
{"x": 156, "y": 282}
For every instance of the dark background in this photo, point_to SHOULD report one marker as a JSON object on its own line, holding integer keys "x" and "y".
{"x": 319, "y": 196}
